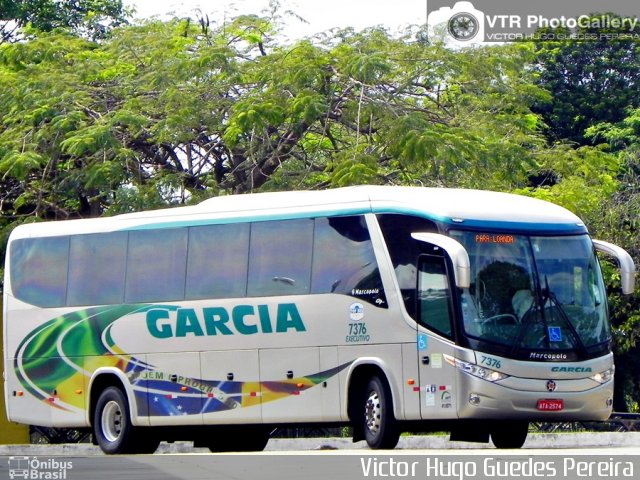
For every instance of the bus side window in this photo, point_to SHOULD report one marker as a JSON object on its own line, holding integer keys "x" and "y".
{"x": 434, "y": 295}
{"x": 97, "y": 266}
{"x": 280, "y": 258}
{"x": 344, "y": 261}
{"x": 217, "y": 261}
{"x": 404, "y": 251}
{"x": 39, "y": 270}
{"x": 156, "y": 261}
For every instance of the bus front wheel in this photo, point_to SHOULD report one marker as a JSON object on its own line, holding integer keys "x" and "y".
{"x": 112, "y": 426}
{"x": 379, "y": 424}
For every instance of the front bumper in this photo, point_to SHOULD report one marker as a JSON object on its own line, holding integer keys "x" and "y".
{"x": 480, "y": 399}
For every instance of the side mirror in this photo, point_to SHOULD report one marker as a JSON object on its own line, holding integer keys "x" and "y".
{"x": 625, "y": 263}
{"x": 457, "y": 253}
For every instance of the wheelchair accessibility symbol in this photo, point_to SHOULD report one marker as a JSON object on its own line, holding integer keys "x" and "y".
{"x": 555, "y": 334}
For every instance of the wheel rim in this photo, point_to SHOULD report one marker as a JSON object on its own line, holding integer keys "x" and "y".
{"x": 111, "y": 421}
{"x": 373, "y": 413}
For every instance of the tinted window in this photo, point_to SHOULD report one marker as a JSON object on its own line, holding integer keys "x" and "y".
{"x": 434, "y": 295}
{"x": 344, "y": 261}
{"x": 96, "y": 269}
{"x": 39, "y": 270}
{"x": 404, "y": 251}
{"x": 213, "y": 261}
{"x": 217, "y": 264}
{"x": 280, "y": 257}
{"x": 156, "y": 265}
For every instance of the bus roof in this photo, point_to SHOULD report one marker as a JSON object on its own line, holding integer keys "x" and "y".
{"x": 478, "y": 209}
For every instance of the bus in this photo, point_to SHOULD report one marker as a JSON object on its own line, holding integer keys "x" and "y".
{"x": 386, "y": 309}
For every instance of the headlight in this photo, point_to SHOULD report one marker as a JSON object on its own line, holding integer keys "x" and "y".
{"x": 478, "y": 371}
{"x": 603, "y": 377}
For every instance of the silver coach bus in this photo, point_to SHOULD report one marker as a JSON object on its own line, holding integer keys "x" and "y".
{"x": 389, "y": 309}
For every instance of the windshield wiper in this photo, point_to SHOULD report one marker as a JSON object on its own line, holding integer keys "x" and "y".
{"x": 540, "y": 305}
{"x": 563, "y": 314}
{"x": 527, "y": 319}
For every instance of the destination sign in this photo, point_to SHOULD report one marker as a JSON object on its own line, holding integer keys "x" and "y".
{"x": 494, "y": 238}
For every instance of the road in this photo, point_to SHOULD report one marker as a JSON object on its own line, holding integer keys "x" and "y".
{"x": 570, "y": 456}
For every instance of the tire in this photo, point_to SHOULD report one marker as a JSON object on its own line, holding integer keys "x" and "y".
{"x": 378, "y": 422}
{"x": 239, "y": 439}
{"x": 112, "y": 426}
{"x": 509, "y": 434}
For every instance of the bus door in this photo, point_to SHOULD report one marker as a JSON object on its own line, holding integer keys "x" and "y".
{"x": 435, "y": 338}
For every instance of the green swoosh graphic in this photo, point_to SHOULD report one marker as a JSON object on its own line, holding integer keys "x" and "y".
{"x": 55, "y": 362}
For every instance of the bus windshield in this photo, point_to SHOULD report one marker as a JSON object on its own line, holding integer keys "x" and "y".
{"x": 540, "y": 298}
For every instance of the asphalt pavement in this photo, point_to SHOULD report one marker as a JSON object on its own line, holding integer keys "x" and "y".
{"x": 413, "y": 442}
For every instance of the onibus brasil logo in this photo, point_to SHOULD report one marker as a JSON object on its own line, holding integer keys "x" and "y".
{"x": 41, "y": 469}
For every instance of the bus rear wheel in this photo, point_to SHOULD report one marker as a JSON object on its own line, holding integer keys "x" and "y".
{"x": 378, "y": 422}
{"x": 112, "y": 426}
{"x": 510, "y": 434}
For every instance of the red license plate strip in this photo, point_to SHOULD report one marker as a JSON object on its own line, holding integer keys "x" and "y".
{"x": 550, "y": 405}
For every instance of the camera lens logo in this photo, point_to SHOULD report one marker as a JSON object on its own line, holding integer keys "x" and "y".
{"x": 463, "y": 26}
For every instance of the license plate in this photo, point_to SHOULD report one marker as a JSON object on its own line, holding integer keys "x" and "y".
{"x": 552, "y": 405}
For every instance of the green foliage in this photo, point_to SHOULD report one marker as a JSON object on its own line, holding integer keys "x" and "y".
{"x": 586, "y": 178}
{"x": 90, "y": 18}
{"x": 225, "y": 107}
{"x": 354, "y": 168}
{"x": 592, "y": 81}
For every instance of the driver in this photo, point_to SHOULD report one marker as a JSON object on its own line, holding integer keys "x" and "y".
{"x": 521, "y": 302}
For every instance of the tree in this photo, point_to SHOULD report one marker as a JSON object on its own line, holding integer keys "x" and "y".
{"x": 592, "y": 81}
{"x": 90, "y": 18}
{"x": 170, "y": 112}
